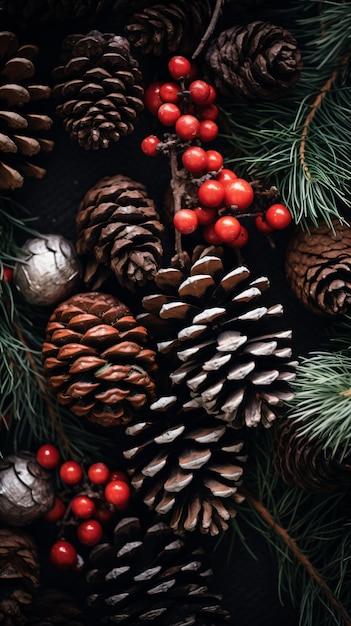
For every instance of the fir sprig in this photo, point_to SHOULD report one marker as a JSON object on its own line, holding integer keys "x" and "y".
{"x": 302, "y": 143}
{"x": 309, "y": 537}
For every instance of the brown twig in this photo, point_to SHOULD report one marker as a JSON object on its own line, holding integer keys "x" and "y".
{"x": 41, "y": 384}
{"x": 177, "y": 192}
{"x": 210, "y": 28}
{"x": 315, "y": 105}
{"x": 299, "y": 555}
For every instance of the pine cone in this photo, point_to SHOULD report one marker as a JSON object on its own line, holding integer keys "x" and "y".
{"x": 304, "y": 463}
{"x": 31, "y": 12}
{"x": 255, "y": 62}
{"x": 19, "y": 575}
{"x": 150, "y": 574}
{"x": 98, "y": 88}
{"x": 235, "y": 360}
{"x": 22, "y": 125}
{"x": 188, "y": 464}
{"x": 96, "y": 360}
{"x": 52, "y": 607}
{"x": 26, "y": 489}
{"x": 119, "y": 227}
{"x": 173, "y": 27}
{"x": 318, "y": 268}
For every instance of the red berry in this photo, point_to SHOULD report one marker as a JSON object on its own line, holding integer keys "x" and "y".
{"x": 103, "y": 513}
{"x": 48, "y": 456}
{"x": 149, "y": 145}
{"x": 199, "y": 91}
{"x": 208, "y": 112}
{"x": 212, "y": 95}
{"x": 179, "y": 67}
{"x": 225, "y": 176}
{"x": 241, "y": 239}
{"x": 185, "y": 221}
{"x": 168, "y": 113}
{"x": 63, "y": 554}
{"x": 82, "y": 507}
{"x": 278, "y": 216}
{"x": 210, "y": 236}
{"x": 90, "y": 532}
{"x": 239, "y": 194}
{"x": 169, "y": 92}
{"x": 71, "y": 472}
{"x": 187, "y": 127}
{"x": 214, "y": 160}
{"x": 227, "y": 228}
{"x": 119, "y": 475}
{"x": 117, "y": 492}
{"x": 194, "y": 159}
{"x": 211, "y": 193}
{"x": 152, "y": 98}
{"x": 99, "y": 473}
{"x": 57, "y": 512}
{"x": 208, "y": 130}
{"x": 205, "y": 215}
{"x": 262, "y": 225}
{"x": 7, "y": 274}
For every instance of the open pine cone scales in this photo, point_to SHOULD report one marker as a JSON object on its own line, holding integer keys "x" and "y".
{"x": 96, "y": 359}
{"x": 189, "y": 466}
{"x": 119, "y": 231}
{"x": 172, "y": 27}
{"x": 98, "y": 88}
{"x": 19, "y": 575}
{"x": 258, "y": 61}
{"x": 22, "y": 126}
{"x": 234, "y": 360}
{"x": 149, "y": 574}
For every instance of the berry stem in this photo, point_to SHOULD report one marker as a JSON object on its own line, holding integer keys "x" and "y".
{"x": 210, "y": 28}
{"x": 176, "y": 187}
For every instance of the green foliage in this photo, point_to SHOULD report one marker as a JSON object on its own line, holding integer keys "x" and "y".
{"x": 302, "y": 143}
{"x": 309, "y": 537}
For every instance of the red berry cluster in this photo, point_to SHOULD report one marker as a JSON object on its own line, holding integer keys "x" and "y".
{"x": 89, "y": 497}
{"x": 188, "y": 104}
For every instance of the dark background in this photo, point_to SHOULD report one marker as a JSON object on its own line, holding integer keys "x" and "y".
{"x": 249, "y": 585}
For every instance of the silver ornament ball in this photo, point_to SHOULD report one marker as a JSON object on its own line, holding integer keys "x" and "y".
{"x": 47, "y": 270}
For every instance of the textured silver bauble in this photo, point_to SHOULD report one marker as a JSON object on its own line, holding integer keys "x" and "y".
{"x": 26, "y": 489}
{"x": 47, "y": 271}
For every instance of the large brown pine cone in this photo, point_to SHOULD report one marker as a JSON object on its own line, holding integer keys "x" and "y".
{"x": 96, "y": 360}
{"x": 172, "y": 27}
{"x": 22, "y": 126}
{"x": 149, "y": 574}
{"x": 118, "y": 228}
{"x": 26, "y": 489}
{"x": 98, "y": 88}
{"x": 216, "y": 323}
{"x": 318, "y": 268}
{"x": 188, "y": 465}
{"x": 255, "y": 62}
{"x": 304, "y": 463}
{"x": 19, "y": 575}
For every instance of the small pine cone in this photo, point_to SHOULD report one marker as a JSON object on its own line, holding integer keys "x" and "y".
{"x": 22, "y": 126}
{"x": 187, "y": 464}
{"x": 235, "y": 361}
{"x": 19, "y": 575}
{"x": 255, "y": 62}
{"x": 52, "y": 607}
{"x": 148, "y": 573}
{"x": 304, "y": 463}
{"x": 98, "y": 88}
{"x": 169, "y": 28}
{"x": 95, "y": 359}
{"x": 318, "y": 268}
{"x": 31, "y": 12}
{"x": 119, "y": 227}
{"x": 26, "y": 489}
